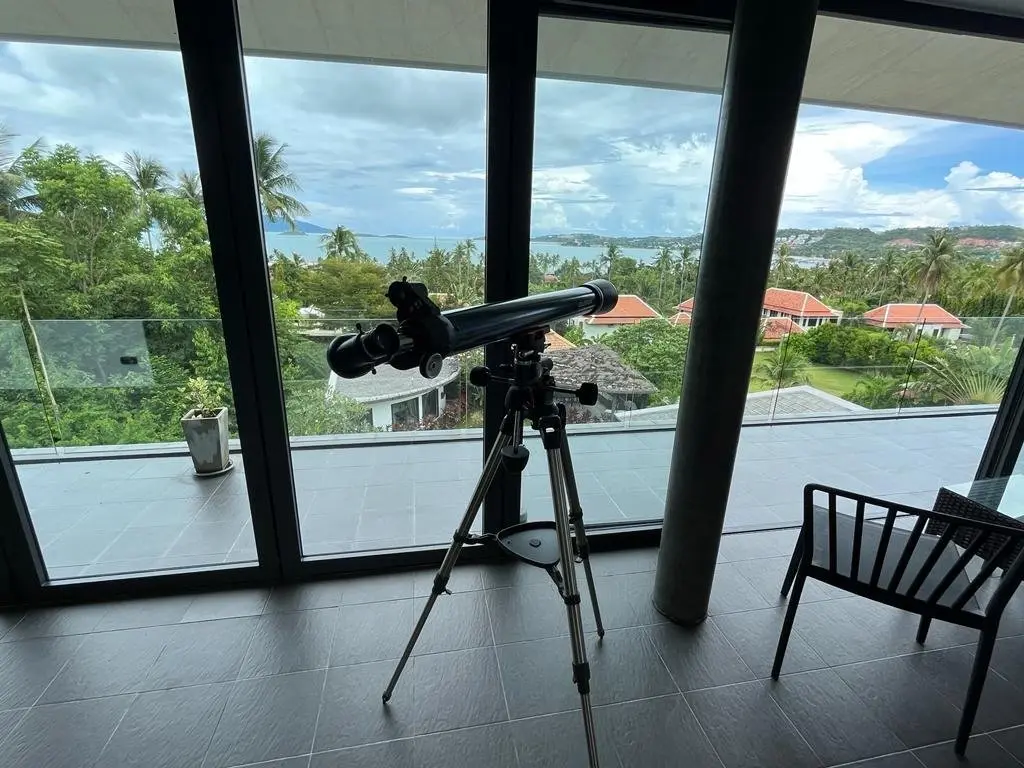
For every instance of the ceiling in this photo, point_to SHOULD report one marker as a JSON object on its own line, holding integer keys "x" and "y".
{"x": 853, "y": 63}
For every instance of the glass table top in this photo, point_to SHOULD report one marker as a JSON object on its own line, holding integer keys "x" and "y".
{"x": 1004, "y": 495}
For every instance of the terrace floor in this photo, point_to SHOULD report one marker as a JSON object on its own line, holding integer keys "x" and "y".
{"x": 293, "y": 676}
{"x": 135, "y": 514}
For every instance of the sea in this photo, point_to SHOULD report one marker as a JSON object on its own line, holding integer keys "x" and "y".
{"x": 307, "y": 246}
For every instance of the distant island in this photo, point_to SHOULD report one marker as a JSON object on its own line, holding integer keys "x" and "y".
{"x": 301, "y": 228}
{"x": 979, "y": 240}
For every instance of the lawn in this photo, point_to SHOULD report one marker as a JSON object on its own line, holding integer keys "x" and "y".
{"x": 835, "y": 381}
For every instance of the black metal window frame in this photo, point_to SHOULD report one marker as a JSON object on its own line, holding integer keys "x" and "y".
{"x": 213, "y": 60}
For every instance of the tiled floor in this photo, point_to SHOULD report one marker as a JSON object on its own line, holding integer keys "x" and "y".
{"x": 294, "y": 677}
{"x": 113, "y": 516}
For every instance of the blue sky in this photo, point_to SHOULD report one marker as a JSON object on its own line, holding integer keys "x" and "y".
{"x": 402, "y": 151}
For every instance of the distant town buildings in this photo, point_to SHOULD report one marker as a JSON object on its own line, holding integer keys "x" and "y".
{"x": 629, "y": 310}
{"x": 929, "y": 319}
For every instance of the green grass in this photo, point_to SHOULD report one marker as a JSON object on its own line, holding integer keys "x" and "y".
{"x": 835, "y": 381}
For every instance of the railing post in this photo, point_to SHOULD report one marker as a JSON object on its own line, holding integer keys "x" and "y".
{"x": 764, "y": 78}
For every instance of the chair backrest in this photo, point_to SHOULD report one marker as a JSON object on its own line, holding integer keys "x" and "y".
{"x": 866, "y": 546}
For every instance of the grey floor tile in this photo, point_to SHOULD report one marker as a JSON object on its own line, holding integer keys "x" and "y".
{"x": 227, "y": 605}
{"x": 767, "y": 574}
{"x": 949, "y": 670}
{"x": 656, "y": 732}
{"x": 698, "y": 657}
{"x": 488, "y": 745}
{"x": 9, "y": 719}
{"x": 438, "y": 692}
{"x": 206, "y": 539}
{"x": 372, "y": 589}
{"x": 288, "y": 762}
{"x": 107, "y": 663}
{"x": 67, "y": 735}
{"x": 1008, "y": 659}
{"x": 904, "y": 699}
{"x": 141, "y": 542}
{"x": 290, "y": 642}
{"x": 167, "y": 729}
{"x": 530, "y": 612}
{"x": 464, "y": 578}
{"x": 982, "y": 752}
{"x": 76, "y": 546}
{"x": 27, "y": 668}
{"x": 624, "y": 600}
{"x": 747, "y": 728}
{"x": 371, "y": 632}
{"x": 304, "y": 597}
{"x": 751, "y": 546}
{"x": 130, "y": 614}
{"x": 831, "y": 718}
{"x": 755, "y": 636}
{"x": 623, "y": 561}
{"x": 8, "y": 620}
{"x": 854, "y": 629}
{"x": 201, "y": 652}
{"x": 1012, "y": 741}
{"x": 558, "y": 741}
{"x": 513, "y": 574}
{"x": 53, "y": 622}
{"x": 537, "y": 675}
{"x": 732, "y": 592}
{"x": 897, "y": 760}
{"x": 267, "y": 718}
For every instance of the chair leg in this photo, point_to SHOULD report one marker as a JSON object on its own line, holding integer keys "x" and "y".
{"x": 982, "y": 659}
{"x": 787, "y": 624}
{"x": 922, "y": 629}
{"x": 794, "y": 564}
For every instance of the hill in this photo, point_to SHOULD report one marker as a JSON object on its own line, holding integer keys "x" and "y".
{"x": 305, "y": 227}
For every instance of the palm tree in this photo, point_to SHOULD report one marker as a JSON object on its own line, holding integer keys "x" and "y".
{"x": 1009, "y": 277}
{"x": 147, "y": 175}
{"x": 608, "y": 258}
{"x": 783, "y": 262}
{"x": 15, "y": 196}
{"x": 275, "y": 181}
{"x": 341, "y": 243}
{"x": 190, "y": 187}
{"x": 933, "y": 264}
{"x": 784, "y": 367}
{"x": 662, "y": 263}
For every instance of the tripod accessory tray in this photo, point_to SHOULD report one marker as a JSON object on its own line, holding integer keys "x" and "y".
{"x": 533, "y": 543}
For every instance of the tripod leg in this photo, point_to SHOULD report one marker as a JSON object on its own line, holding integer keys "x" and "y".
{"x": 576, "y": 520}
{"x": 460, "y": 537}
{"x": 553, "y": 436}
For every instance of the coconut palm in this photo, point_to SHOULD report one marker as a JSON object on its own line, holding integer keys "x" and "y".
{"x": 147, "y": 175}
{"x": 935, "y": 262}
{"x": 783, "y": 262}
{"x": 784, "y": 367}
{"x": 341, "y": 243}
{"x": 189, "y": 187}
{"x": 969, "y": 375}
{"x": 275, "y": 181}
{"x": 1010, "y": 278}
{"x": 663, "y": 263}
{"x": 15, "y": 187}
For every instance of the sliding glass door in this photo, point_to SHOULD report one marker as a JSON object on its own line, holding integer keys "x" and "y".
{"x": 111, "y": 345}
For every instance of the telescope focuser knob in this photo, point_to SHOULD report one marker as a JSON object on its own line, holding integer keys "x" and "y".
{"x": 587, "y": 393}
{"x": 480, "y": 376}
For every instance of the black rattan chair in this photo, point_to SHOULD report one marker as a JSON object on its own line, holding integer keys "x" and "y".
{"x": 908, "y": 568}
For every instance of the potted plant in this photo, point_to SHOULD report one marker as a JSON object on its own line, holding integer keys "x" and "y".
{"x": 205, "y": 424}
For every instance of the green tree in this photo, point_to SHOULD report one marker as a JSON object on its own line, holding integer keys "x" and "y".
{"x": 15, "y": 185}
{"x": 275, "y": 181}
{"x": 189, "y": 186}
{"x": 657, "y": 350}
{"x": 968, "y": 375}
{"x": 784, "y": 367}
{"x": 933, "y": 263}
{"x": 783, "y": 262}
{"x": 341, "y": 243}
{"x": 1010, "y": 277}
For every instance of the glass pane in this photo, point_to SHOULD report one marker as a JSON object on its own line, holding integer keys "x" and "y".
{"x": 109, "y": 329}
{"x": 624, "y": 136}
{"x": 901, "y": 229}
{"x": 370, "y": 137}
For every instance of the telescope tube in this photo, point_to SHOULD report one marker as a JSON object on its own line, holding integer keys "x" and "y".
{"x": 423, "y": 334}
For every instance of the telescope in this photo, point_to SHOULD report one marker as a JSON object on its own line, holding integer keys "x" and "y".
{"x": 425, "y": 335}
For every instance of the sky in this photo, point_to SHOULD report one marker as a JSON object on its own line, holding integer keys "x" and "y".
{"x": 388, "y": 150}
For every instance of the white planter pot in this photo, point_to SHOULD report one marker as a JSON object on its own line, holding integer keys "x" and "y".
{"x": 207, "y": 438}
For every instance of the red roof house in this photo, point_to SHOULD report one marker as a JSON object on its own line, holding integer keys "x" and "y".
{"x": 929, "y": 319}
{"x": 629, "y": 310}
{"x": 799, "y": 306}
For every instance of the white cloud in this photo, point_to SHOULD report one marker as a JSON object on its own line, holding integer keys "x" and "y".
{"x": 416, "y": 190}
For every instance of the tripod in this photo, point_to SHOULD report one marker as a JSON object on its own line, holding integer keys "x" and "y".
{"x": 543, "y": 544}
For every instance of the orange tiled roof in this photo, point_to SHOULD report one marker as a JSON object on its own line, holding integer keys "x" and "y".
{"x": 777, "y": 328}
{"x": 796, "y": 303}
{"x": 557, "y": 341}
{"x": 629, "y": 310}
{"x": 680, "y": 318}
{"x": 893, "y": 315}
{"x": 686, "y": 306}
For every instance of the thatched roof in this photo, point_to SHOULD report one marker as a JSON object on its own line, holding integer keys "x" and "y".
{"x": 601, "y": 365}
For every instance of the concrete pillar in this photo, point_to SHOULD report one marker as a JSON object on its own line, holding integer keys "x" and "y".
{"x": 764, "y": 78}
